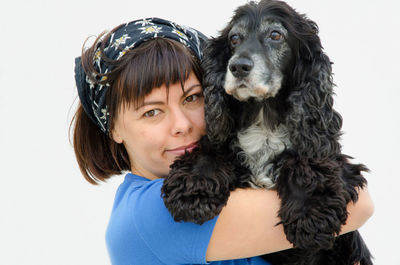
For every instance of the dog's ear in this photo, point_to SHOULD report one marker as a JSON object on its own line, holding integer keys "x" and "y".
{"x": 219, "y": 120}
{"x": 313, "y": 124}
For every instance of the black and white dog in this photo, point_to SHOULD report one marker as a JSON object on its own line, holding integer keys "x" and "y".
{"x": 271, "y": 124}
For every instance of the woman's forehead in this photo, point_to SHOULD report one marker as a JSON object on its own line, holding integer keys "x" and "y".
{"x": 177, "y": 90}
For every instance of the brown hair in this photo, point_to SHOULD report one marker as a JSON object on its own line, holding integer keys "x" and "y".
{"x": 150, "y": 65}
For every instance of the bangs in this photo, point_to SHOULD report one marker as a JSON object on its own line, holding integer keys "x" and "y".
{"x": 154, "y": 63}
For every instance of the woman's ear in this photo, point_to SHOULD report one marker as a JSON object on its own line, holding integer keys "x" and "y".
{"x": 116, "y": 136}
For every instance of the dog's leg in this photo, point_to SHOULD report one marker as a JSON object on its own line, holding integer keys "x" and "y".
{"x": 313, "y": 200}
{"x": 351, "y": 249}
{"x": 348, "y": 249}
{"x": 198, "y": 185}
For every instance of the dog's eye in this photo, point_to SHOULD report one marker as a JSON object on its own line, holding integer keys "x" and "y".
{"x": 235, "y": 40}
{"x": 275, "y": 35}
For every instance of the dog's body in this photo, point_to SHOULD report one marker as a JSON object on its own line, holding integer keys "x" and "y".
{"x": 271, "y": 124}
{"x": 260, "y": 145}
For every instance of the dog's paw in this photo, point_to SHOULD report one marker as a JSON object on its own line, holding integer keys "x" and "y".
{"x": 312, "y": 232}
{"x": 196, "y": 189}
{"x": 314, "y": 224}
{"x": 313, "y": 201}
{"x": 191, "y": 198}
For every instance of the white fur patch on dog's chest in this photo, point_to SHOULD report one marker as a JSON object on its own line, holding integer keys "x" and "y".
{"x": 260, "y": 146}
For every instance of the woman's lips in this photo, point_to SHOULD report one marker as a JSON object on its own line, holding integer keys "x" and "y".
{"x": 182, "y": 149}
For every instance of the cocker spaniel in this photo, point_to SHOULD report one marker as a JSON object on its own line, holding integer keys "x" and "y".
{"x": 271, "y": 124}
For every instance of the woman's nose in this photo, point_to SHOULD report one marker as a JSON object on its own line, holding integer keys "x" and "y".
{"x": 181, "y": 123}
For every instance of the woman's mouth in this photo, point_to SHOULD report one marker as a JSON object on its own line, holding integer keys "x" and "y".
{"x": 182, "y": 149}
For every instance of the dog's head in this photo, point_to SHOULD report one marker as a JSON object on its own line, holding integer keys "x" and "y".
{"x": 260, "y": 52}
{"x": 272, "y": 54}
{"x": 264, "y": 40}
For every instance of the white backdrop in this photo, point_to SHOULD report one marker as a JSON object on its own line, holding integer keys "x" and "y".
{"x": 50, "y": 215}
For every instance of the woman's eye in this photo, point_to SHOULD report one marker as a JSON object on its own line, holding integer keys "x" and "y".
{"x": 151, "y": 113}
{"x": 275, "y": 35}
{"x": 191, "y": 98}
{"x": 235, "y": 40}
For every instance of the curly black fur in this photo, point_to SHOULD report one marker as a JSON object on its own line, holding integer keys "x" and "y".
{"x": 314, "y": 180}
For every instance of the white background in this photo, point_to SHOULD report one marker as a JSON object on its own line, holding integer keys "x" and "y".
{"x": 50, "y": 215}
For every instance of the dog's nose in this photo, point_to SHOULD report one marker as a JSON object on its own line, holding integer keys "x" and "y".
{"x": 241, "y": 67}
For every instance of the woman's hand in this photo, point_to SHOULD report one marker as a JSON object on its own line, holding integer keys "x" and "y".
{"x": 359, "y": 212}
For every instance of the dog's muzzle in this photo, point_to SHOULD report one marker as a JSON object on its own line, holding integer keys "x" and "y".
{"x": 249, "y": 78}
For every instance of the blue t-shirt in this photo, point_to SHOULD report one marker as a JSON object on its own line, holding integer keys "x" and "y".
{"x": 141, "y": 231}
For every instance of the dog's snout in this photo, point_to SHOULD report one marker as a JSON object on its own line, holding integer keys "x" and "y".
{"x": 241, "y": 67}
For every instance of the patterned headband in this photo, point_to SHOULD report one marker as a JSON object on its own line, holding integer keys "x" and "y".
{"x": 92, "y": 94}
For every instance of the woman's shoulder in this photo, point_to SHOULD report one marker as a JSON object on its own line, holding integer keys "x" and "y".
{"x": 123, "y": 238}
{"x": 137, "y": 202}
{"x": 140, "y": 218}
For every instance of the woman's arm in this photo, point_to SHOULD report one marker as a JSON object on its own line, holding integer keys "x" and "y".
{"x": 247, "y": 227}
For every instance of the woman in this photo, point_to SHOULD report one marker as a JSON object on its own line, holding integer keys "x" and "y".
{"x": 141, "y": 108}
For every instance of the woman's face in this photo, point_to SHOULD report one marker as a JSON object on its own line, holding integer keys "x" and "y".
{"x": 160, "y": 130}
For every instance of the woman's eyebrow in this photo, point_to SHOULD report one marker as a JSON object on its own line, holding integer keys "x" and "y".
{"x": 187, "y": 91}
{"x": 149, "y": 103}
